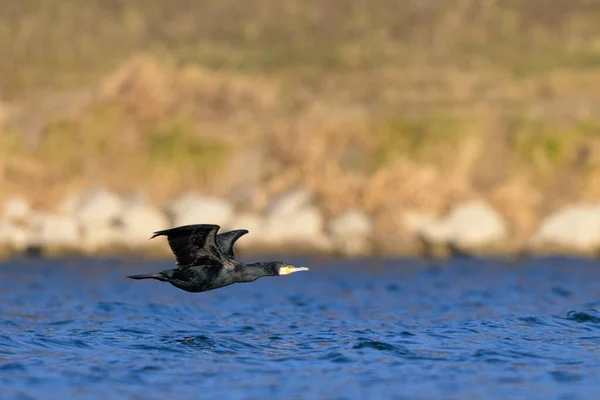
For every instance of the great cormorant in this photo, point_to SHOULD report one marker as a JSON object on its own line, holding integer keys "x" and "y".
{"x": 205, "y": 260}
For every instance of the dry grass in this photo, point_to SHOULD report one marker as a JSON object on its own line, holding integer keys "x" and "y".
{"x": 379, "y": 104}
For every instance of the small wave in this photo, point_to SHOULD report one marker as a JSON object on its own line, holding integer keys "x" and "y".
{"x": 528, "y": 354}
{"x": 236, "y": 344}
{"x": 394, "y": 288}
{"x": 582, "y": 317}
{"x": 534, "y": 321}
{"x": 248, "y": 328}
{"x": 133, "y": 331}
{"x": 565, "y": 376}
{"x": 110, "y": 306}
{"x": 12, "y": 366}
{"x": 6, "y": 340}
{"x": 495, "y": 356}
{"x": 336, "y": 357}
{"x": 152, "y": 348}
{"x": 562, "y": 292}
{"x": 53, "y": 343}
{"x": 381, "y": 346}
{"x": 80, "y": 344}
{"x": 489, "y": 356}
{"x": 200, "y": 341}
{"x": 63, "y": 322}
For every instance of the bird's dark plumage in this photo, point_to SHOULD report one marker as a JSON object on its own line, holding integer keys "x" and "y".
{"x": 206, "y": 261}
{"x": 226, "y": 240}
{"x": 193, "y": 244}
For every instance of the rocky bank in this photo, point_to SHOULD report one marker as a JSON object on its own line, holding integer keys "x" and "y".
{"x": 101, "y": 222}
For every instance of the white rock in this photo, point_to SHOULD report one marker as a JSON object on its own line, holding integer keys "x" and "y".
{"x": 350, "y": 233}
{"x": 351, "y": 223}
{"x": 16, "y": 209}
{"x": 13, "y": 236}
{"x": 476, "y": 223}
{"x": 470, "y": 224}
{"x": 289, "y": 203}
{"x": 303, "y": 227}
{"x": 292, "y": 218}
{"x": 138, "y": 221}
{"x": 576, "y": 226}
{"x": 303, "y": 224}
{"x": 194, "y": 208}
{"x": 98, "y": 207}
{"x": 51, "y": 230}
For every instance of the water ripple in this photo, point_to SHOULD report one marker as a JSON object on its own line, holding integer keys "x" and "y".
{"x": 347, "y": 330}
{"x": 380, "y": 346}
{"x": 583, "y": 317}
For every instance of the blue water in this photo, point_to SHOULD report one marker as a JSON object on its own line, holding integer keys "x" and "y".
{"x": 379, "y": 329}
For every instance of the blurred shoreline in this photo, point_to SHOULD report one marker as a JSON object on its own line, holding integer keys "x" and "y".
{"x": 400, "y": 112}
{"x": 99, "y": 222}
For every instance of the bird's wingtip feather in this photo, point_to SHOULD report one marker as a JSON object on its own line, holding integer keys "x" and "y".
{"x": 157, "y": 233}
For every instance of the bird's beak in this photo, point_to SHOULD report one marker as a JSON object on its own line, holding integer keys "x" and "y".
{"x": 290, "y": 269}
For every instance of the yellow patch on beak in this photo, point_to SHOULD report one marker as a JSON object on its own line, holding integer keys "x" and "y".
{"x": 290, "y": 269}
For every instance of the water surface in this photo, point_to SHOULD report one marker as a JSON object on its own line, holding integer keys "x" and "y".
{"x": 364, "y": 329}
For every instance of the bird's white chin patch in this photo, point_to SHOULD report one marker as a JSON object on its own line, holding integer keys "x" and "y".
{"x": 290, "y": 270}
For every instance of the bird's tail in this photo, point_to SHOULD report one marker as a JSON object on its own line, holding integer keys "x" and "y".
{"x": 149, "y": 276}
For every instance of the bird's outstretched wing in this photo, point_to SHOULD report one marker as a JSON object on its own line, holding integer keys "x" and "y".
{"x": 194, "y": 245}
{"x": 226, "y": 240}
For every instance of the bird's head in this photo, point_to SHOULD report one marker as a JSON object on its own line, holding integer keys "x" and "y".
{"x": 273, "y": 268}
{"x": 286, "y": 269}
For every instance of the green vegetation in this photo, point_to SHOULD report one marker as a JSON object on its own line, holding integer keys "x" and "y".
{"x": 421, "y": 139}
{"x": 175, "y": 145}
{"x": 544, "y": 144}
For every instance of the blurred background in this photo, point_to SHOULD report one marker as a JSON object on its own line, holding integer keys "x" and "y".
{"x": 368, "y": 124}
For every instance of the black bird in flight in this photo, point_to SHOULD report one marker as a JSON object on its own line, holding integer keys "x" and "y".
{"x": 206, "y": 261}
